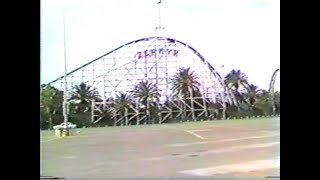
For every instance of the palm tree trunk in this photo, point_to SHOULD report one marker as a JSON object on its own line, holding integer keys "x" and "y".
{"x": 224, "y": 106}
{"x": 92, "y": 110}
{"x": 50, "y": 122}
{"x": 50, "y": 118}
{"x": 252, "y": 101}
{"x": 114, "y": 117}
{"x": 238, "y": 99}
{"x": 224, "y": 110}
{"x": 138, "y": 116}
{"x": 126, "y": 116}
{"x": 273, "y": 105}
{"x": 184, "y": 108}
{"x": 192, "y": 105}
{"x": 148, "y": 111}
{"x": 274, "y": 109}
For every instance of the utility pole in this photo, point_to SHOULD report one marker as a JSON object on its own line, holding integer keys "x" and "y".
{"x": 64, "y": 105}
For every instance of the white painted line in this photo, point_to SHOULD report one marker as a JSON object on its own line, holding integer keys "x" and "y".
{"x": 222, "y": 140}
{"x": 189, "y": 132}
{"x": 246, "y": 167}
{"x": 217, "y": 151}
{"x": 69, "y": 157}
{"x": 196, "y": 135}
{"x": 212, "y": 128}
{"x": 201, "y": 130}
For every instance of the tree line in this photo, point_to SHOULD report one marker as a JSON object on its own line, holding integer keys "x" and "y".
{"x": 143, "y": 101}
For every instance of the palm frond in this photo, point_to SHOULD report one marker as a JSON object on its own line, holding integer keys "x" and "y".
{"x": 84, "y": 93}
{"x": 145, "y": 91}
{"x": 184, "y": 82}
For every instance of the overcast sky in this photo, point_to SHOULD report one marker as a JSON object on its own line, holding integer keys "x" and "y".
{"x": 239, "y": 34}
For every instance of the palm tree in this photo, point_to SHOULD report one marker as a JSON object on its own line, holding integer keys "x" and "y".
{"x": 146, "y": 92}
{"x": 84, "y": 94}
{"x": 185, "y": 84}
{"x": 252, "y": 92}
{"x": 122, "y": 103}
{"x": 276, "y": 102}
{"x": 233, "y": 81}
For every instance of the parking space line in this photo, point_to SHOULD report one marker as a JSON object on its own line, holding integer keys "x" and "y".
{"x": 196, "y": 135}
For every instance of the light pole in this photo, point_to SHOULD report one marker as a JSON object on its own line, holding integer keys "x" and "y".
{"x": 64, "y": 105}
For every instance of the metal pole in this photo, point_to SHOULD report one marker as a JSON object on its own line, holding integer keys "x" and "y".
{"x": 64, "y": 105}
{"x": 159, "y": 16}
{"x": 159, "y": 28}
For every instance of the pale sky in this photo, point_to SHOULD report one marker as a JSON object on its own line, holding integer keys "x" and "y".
{"x": 239, "y": 34}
